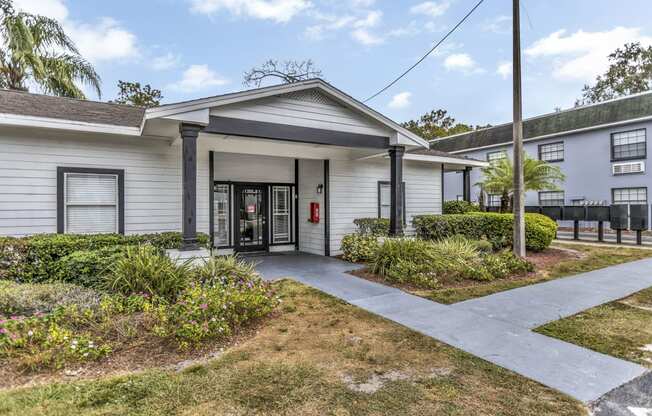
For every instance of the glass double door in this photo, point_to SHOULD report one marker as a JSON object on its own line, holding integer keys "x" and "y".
{"x": 251, "y": 218}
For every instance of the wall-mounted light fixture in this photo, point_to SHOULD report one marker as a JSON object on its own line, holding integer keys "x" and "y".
{"x": 320, "y": 188}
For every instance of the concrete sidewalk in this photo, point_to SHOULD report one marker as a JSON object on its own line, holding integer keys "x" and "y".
{"x": 583, "y": 374}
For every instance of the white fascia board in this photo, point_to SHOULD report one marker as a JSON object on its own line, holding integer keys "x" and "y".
{"x": 70, "y": 125}
{"x": 201, "y": 117}
{"x": 447, "y": 160}
{"x": 226, "y": 99}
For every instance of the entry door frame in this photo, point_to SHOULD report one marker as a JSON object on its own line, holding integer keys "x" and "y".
{"x": 237, "y": 198}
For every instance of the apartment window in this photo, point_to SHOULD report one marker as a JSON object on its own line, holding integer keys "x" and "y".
{"x": 551, "y": 152}
{"x": 496, "y": 156}
{"x": 281, "y": 213}
{"x": 551, "y": 198}
{"x": 222, "y": 213}
{"x": 629, "y": 196}
{"x": 90, "y": 201}
{"x": 628, "y": 145}
{"x": 384, "y": 200}
{"x": 493, "y": 200}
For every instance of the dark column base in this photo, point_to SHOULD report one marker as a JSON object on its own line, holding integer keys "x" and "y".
{"x": 466, "y": 184}
{"x": 396, "y": 185}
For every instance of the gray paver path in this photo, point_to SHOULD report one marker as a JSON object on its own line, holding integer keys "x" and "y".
{"x": 583, "y": 374}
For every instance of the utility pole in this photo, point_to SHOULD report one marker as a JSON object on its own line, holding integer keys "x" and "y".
{"x": 519, "y": 197}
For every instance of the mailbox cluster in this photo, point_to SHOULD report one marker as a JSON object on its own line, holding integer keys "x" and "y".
{"x": 619, "y": 217}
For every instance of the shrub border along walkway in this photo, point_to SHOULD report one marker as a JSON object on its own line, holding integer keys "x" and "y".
{"x": 582, "y": 374}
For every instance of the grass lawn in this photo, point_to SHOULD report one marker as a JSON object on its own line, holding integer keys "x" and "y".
{"x": 622, "y": 328}
{"x": 317, "y": 356}
{"x": 553, "y": 263}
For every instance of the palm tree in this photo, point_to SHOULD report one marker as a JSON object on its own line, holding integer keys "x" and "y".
{"x": 538, "y": 175}
{"x": 36, "y": 48}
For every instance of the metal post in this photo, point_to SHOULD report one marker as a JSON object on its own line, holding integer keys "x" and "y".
{"x": 619, "y": 236}
{"x": 576, "y": 230}
{"x": 600, "y": 231}
{"x": 519, "y": 195}
{"x": 639, "y": 237}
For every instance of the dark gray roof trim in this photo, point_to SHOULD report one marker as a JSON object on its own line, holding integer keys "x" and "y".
{"x": 37, "y": 105}
{"x": 615, "y": 111}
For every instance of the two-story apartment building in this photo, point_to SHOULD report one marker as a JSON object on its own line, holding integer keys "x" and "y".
{"x": 601, "y": 148}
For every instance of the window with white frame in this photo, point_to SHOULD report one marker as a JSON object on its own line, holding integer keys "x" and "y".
{"x": 551, "y": 198}
{"x": 628, "y": 145}
{"x": 222, "y": 213}
{"x": 493, "y": 157}
{"x": 551, "y": 152}
{"x": 629, "y": 196}
{"x": 281, "y": 213}
{"x": 384, "y": 200}
{"x": 493, "y": 200}
{"x": 89, "y": 201}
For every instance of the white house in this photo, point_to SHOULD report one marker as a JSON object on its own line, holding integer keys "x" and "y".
{"x": 252, "y": 169}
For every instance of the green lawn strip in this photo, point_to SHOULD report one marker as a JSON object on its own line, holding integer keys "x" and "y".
{"x": 622, "y": 329}
{"x": 295, "y": 365}
{"x": 595, "y": 258}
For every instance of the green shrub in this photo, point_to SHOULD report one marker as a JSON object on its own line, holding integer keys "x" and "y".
{"x": 225, "y": 270}
{"x": 377, "y": 227}
{"x": 460, "y": 207}
{"x": 428, "y": 263}
{"x": 87, "y": 267}
{"x": 29, "y": 299}
{"x": 496, "y": 228}
{"x": 33, "y": 259}
{"x": 359, "y": 248}
{"x": 144, "y": 269}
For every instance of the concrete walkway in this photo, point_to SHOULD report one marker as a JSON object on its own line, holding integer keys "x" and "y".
{"x": 482, "y": 329}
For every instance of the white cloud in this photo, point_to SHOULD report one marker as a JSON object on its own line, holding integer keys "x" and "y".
{"x": 461, "y": 62}
{"x": 55, "y": 9}
{"x": 167, "y": 61}
{"x": 196, "y": 78}
{"x": 504, "y": 69}
{"x": 583, "y": 55}
{"x": 400, "y": 100}
{"x": 362, "y": 3}
{"x": 103, "y": 40}
{"x": 371, "y": 20}
{"x": 430, "y": 8}
{"x": 499, "y": 24}
{"x": 366, "y": 38}
{"x": 280, "y": 11}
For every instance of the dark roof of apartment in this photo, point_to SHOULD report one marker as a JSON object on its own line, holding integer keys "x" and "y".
{"x": 614, "y": 111}
{"x": 38, "y": 105}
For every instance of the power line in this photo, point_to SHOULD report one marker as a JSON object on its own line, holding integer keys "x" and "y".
{"x": 450, "y": 32}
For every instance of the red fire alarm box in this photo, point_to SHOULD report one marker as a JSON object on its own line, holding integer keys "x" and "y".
{"x": 314, "y": 212}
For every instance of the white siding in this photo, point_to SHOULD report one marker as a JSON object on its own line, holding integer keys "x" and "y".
{"x": 311, "y": 236}
{"x": 299, "y": 112}
{"x": 252, "y": 168}
{"x": 28, "y": 178}
{"x": 354, "y": 193}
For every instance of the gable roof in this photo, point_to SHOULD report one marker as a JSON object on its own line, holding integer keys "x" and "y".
{"x": 21, "y": 103}
{"x": 195, "y": 106}
{"x": 618, "y": 111}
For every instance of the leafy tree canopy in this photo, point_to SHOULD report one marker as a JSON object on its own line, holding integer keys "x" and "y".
{"x": 133, "y": 93}
{"x": 286, "y": 72}
{"x": 630, "y": 72}
{"x": 436, "y": 124}
{"x": 36, "y": 49}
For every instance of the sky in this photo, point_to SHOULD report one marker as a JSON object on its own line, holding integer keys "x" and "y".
{"x": 197, "y": 48}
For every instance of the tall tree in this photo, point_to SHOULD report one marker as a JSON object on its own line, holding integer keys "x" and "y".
{"x": 133, "y": 93}
{"x": 36, "y": 48}
{"x": 630, "y": 72}
{"x": 437, "y": 123}
{"x": 286, "y": 72}
{"x": 538, "y": 175}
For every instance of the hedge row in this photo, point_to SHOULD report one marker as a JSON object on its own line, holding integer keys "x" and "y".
{"x": 460, "y": 207}
{"x": 34, "y": 258}
{"x": 377, "y": 227}
{"x": 496, "y": 228}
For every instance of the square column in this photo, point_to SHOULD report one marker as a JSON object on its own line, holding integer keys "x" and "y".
{"x": 189, "y": 134}
{"x": 466, "y": 184}
{"x": 396, "y": 188}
